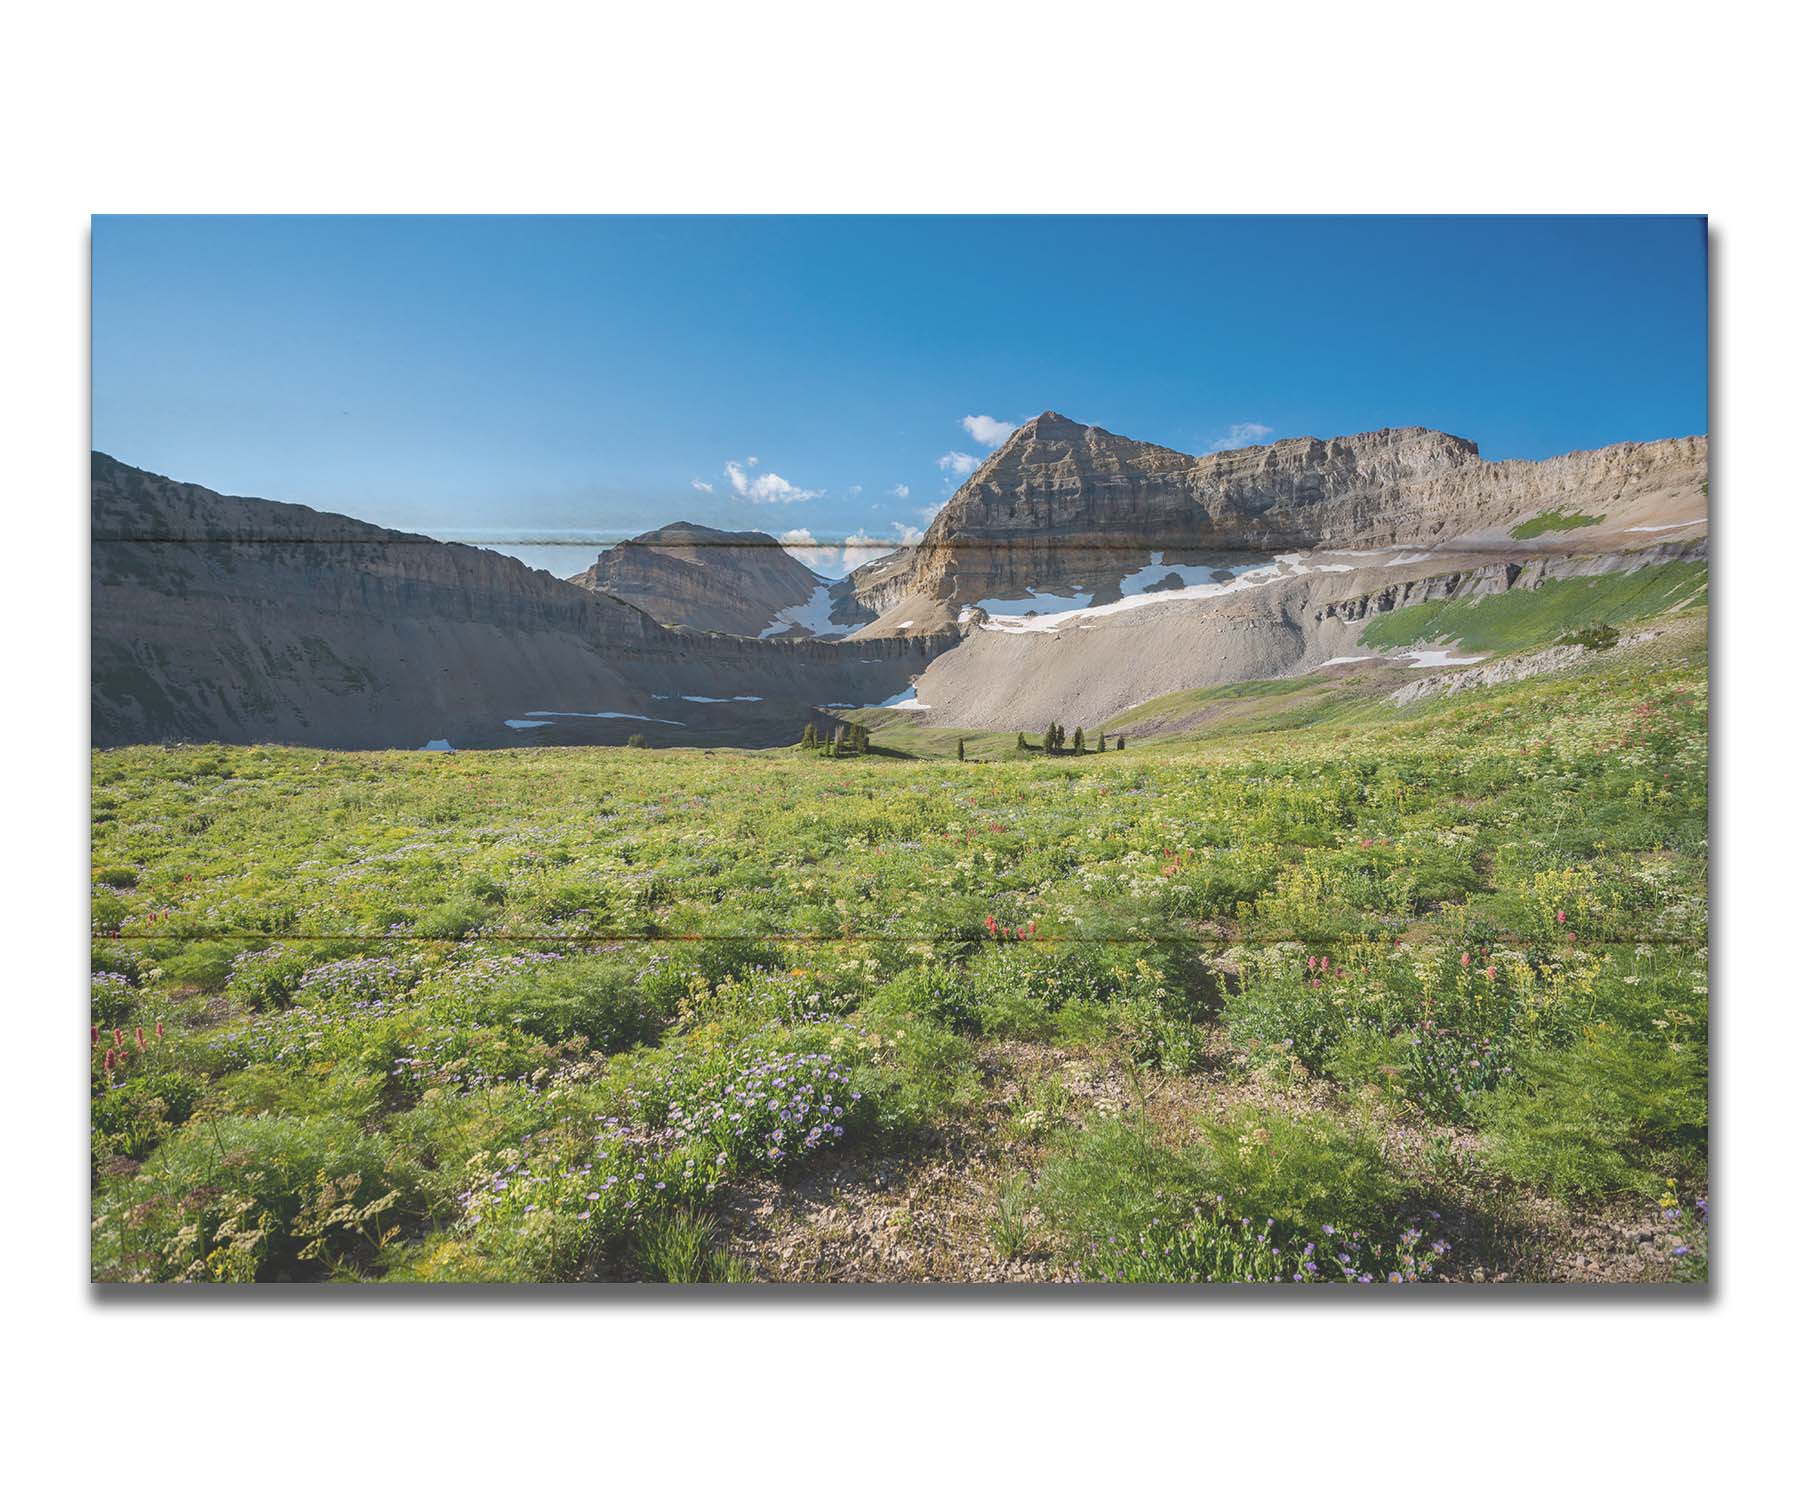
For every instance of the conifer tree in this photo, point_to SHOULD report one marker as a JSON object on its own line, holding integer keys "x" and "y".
{"x": 810, "y": 740}
{"x": 1078, "y": 739}
{"x": 1102, "y": 745}
{"x": 959, "y": 748}
{"x": 1121, "y": 743}
{"x": 1050, "y": 737}
{"x": 1022, "y": 744}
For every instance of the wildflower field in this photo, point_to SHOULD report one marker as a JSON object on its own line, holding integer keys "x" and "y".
{"x": 1329, "y": 992}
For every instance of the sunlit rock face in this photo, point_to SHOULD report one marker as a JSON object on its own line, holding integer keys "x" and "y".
{"x": 1061, "y": 504}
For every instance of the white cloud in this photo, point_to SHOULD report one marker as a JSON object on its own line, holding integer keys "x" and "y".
{"x": 702, "y": 486}
{"x": 802, "y": 544}
{"x": 990, "y": 432}
{"x": 835, "y": 559}
{"x": 901, "y": 491}
{"x": 1242, "y": 435}
{"x": 962, "y": 464}
{"x": 860, "y": 548}
{"x": 765, "y": 489}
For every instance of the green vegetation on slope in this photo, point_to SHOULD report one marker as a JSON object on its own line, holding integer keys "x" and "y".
{"x": 1553, "y": 520}
{"x": 536, "y": 1014}
{"x": 1528, "y": 617}
{"x": 1188, "y": 705}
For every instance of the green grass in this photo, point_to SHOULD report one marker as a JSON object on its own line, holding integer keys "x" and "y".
{"x": 898, "y": 732}
{"x": 1196, "y": 703}
{"x": 1261, "y": 1196}
{"x": 1553, "y": 520}
{"x": 535, "y": 1014}
{"x": 1524, "y": 617}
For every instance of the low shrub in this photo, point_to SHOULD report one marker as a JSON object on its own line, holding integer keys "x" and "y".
{"x": 1613, "y": 1112}
{"x": 111, "y": 998}
{"x": 1252, "y": 1199}
{"x": 266, "y": 978}
{"x": 132, "y": 1117}
{"x": 596, "y": 998}
{"x": 268, "y": 1198}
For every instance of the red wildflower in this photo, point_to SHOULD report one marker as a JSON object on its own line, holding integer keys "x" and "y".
{"x": 1562, "y": 916}
{"x": 93, "y": 1036}
{"x": 109, "y": 1060}
{"x": 140, "y": 1038}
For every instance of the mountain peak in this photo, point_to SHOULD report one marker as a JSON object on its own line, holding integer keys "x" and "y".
{"x": 692, "y": 531}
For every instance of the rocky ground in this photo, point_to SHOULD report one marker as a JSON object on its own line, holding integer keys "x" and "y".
{"x": 959, "y": 1211}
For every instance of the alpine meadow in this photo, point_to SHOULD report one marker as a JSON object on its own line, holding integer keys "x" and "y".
{"x": 1276, "y": 859}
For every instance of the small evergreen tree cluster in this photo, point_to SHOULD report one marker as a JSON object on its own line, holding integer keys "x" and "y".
{"x": 1078, "y": 744}
{"x": 849, "y": 739}
{"x": 1022, "y": 744}
{"x": 1055, "y": 736}
{"x": 637, "y": 742}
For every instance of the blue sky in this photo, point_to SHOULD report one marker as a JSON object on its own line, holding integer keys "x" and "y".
{"x": 604, "y": 375}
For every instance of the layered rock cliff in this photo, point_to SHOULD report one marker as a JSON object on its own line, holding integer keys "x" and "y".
{"x": 742, "y": 582}
{"x": 226, "y": 618}
{"x": 1060, "y": 502}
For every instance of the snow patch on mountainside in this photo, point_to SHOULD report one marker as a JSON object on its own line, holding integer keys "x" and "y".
{"x": 1003, "y": 616}
{"x": 813, "y": 616}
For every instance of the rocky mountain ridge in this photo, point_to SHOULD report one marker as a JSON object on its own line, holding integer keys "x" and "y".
{"x": 702, "y": 578}
{"x": 1061, "y": 502}
{"x": 1076, "y": 574}
{"x": 230, "y": 618}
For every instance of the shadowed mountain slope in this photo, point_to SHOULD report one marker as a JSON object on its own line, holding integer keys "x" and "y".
{"x": 741, "y": 582}
{"x": 220, "y": 617}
